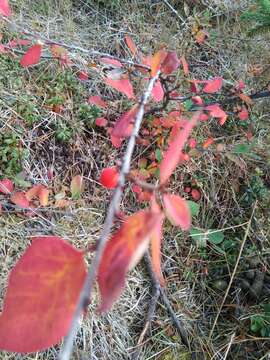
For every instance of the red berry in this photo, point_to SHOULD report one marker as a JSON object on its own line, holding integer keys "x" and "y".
{"x": 196, "y": 194}
{"x": 109, "y": 177}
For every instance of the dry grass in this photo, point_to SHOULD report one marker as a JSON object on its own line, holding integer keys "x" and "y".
{"x": 190, "y": 271}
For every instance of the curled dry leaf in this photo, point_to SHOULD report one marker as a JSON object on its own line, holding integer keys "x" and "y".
{"x": 177, "y": 211}
{"x": 122, "y": 85}
{"x": 122, "y": 252}
{"x": 32, "y": 56}
{"x": 216, "y": 111}
{"x": 76, "y": 187}
{"x": 212, "y": 86}
{"x": 185, "y": 65}
{"x": 6, "y": 186}
{"x": 42, "y": 293}
{"x": 5, "y": 8}
{"x": 97, "y": 100}
{"x": 172, "y": 155}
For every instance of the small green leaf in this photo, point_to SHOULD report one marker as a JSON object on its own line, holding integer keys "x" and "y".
{"x": 188, "y": 104}
{"x": 216, "y": 237}
{"x": 194, "y": 208}
{"x": 242, "y": 148}
{"x": 158, "y": 155}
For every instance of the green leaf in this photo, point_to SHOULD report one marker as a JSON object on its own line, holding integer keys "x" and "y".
{"x": 188, "y": 104}
{"x": 194, "y": 208}
{"x": 158, "y": 155}
{"x": 215, "y": 237}
{"x": 242, "y": 148}
{"x": 199, "y": 236}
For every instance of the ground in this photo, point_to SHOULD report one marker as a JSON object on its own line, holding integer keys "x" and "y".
{"x": 234, "y": 185}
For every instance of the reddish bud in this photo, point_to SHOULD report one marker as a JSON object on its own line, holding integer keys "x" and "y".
{"x": 196, "y": 194}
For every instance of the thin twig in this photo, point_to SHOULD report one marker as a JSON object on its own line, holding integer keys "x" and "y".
{"x": 90, "y": 52}
{"x": 174, "y": 11}
{"x": 112, "y": 210}
{"x": 234, "y": 271}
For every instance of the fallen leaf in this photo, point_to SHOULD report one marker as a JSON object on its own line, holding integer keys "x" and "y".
{"x": 76, "y": 187}
{"x": 19, "y": 198}
{"x": 96, "y": 100}
{"x": 42, "y": 294}
{"x": 212, "y": 86}
{"x": 132, "y": 47}
{"x": 102, "y": 122}
{"x": 243, "y": 114}
{"x": 207, "y": 143}
{"x": 185, "y": 65}
{"x": 6, "y": 186}
{"x": 83, "y": 76}
{"x": 32, "y": 56}
{"x": 39, "y": 191}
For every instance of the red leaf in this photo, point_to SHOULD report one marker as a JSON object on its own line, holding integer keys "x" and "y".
{"x": 157, "y": 61}
{"x": 157, "y": 91}
{"x": 18, "y": 42}
{"x": 212, "y": 86}
{"x": 96, "y": 100}
{"x": 192, "y": 143}
{"x": 112, "y": 62}
{"x": 32, "y": 56}
{"x": 243, "y": 114}
{"x": 170, "y": 63}
{"x": 4, "y": 8}
{"x": 42, "y": 293}
{"x": 196, "y": 194}
{"x": 83, "y": 76}
{"x": 116, "y": 141}
{"x": 124, "y": 125}
{"x": 155, "y": 239}
{"x": 177, "y": 210}
{"x": 6, "y": 186}
{"x": 3, "y": 49}
{"x": 132, "y": 47}
{"x": 197, "y": 100}
{"x": 185, "y": 65}
{"x": 102, "y": 122}
{"x": 19, "y": 198}
{"x": 122, "y": 85}
{"x": 216, "y": 111}
{"x": 109, "y": 177}
{"x": 122, "y": 252}
{"x": 204, "y": 117}
{"x": 172, "y": 155}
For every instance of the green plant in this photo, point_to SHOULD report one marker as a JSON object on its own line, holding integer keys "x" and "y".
{"x": 88, "y": 114}
{"x": 260, "y": 324}
{"x": 260, "y": 15}
{"x": 63, "y": 132}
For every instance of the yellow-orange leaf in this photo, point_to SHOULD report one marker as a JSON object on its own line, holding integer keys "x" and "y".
{"x": 40, "y": 191}
{"x": 157, "y": 61}
{"x": 42, "y": 293}
{"x": 122, "y": 252}
{"x": 76, "y": 187}
{"x": 130, "y": 43}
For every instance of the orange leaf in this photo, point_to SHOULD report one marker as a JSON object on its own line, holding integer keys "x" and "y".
{"x": 177, "y": 210}
{"x": 212, "y": 86}
{"x": 132, "y": 47}
{"x": 157, "y": 91}
{"x": 216, "y": 111}
{"x": 76, "y": 186}
{"x": 208, "y": 142}
{"x": 6, "y": 186}
{"x": 122, "y": 252}
{"x": 39, "y": 191}
{"x": 96, "y": 100}
{"x": 19, "y": 198}
{"x": 124, "y": 125}
{"x": 172, "y": 155}
{"x": 32, "y": 56}
{"x": 157, "y": 61}
{"x": 122, "y": 85}
{"x": 246, "y": 99}
{"x": 42, "y": 293}
{"x": 170, "y": 63}
{"x": 4, "y": 8}
{"x": 185, "y": 65}
{"x": 155, "y": 239}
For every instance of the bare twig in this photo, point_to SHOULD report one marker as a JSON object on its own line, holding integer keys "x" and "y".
{"x": 90, "y": 52}
{"x": 112, "y": 210}
{"x": 234, "y": 271}
{"x": 174, "y": 11}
